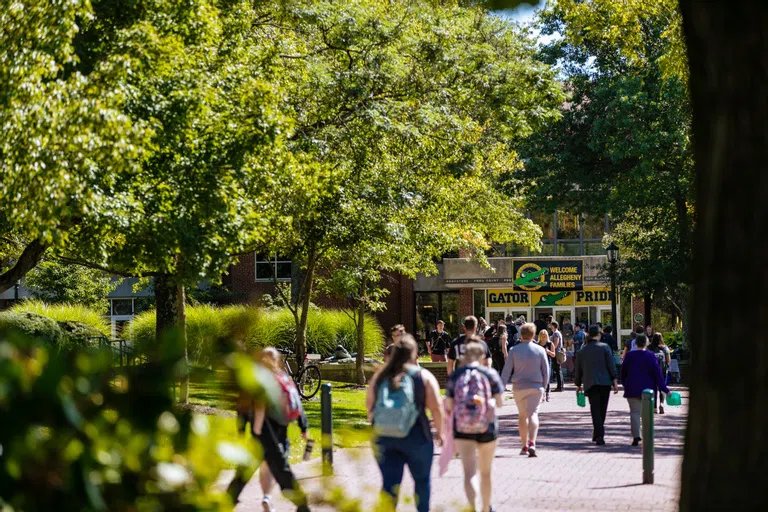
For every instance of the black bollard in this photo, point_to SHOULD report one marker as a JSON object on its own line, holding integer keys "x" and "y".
{"x": 647, "y": 416}
{"x": 327, "y": 428}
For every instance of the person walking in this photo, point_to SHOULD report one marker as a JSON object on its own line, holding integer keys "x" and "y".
{"x": 578, "y": 337}
{"x": 596, "y": 371}
{"x": 438, "y": 343}
{"x": 608, "y": 338}
{"x": 456, "y": 349}
{"x": 473, "y": 394}
{"x": 640, "y": 371}
{"x": 548, "y": 347}
{"x": 528, "y": 367}
{"x": 498, "y": 347}
{"x": 397, "y": 399}
{"x": 663, "y": 358}
{"x": 270, "y": 427}
{"x": 557, "y": 346}
{"x": 396, "y": 332}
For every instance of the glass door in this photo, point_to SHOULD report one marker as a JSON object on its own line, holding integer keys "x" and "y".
{"x": 517, "y": 313}
{"x": 494, "y": 315}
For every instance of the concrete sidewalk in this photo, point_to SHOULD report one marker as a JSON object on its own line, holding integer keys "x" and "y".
{"x": 570, "y": 473}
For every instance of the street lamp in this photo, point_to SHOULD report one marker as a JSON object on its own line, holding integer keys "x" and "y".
{"x": 613, "y": 256}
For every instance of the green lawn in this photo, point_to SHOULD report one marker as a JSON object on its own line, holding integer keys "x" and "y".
{"x": 350, "y": 423}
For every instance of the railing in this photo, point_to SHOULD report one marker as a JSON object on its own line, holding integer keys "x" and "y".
{"x": 123, "y": 353}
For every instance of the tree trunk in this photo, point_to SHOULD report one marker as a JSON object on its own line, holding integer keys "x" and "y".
{"x": 304, "y": 301}
{"x": 360, "y": 361}
{"x": 170, "y": 326}
{"x": 725, "y": 465}
{"x": 29, "y": 258}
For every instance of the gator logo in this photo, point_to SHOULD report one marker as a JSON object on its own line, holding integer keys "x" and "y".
{"x": 552, "y": 299}
{"x": 531, "y": 277}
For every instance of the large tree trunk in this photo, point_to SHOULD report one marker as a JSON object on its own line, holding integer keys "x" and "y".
{"x": 170, "y": 325}
{"x": 725, "y": 464}
{"x": 29, "y": 258}
{"x": 360, "y": 360}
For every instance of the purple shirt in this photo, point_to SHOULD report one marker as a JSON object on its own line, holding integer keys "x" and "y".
{"x": 641, "y": 371}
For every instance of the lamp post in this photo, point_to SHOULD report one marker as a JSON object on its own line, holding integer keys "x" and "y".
{"x": 613, "y": 256}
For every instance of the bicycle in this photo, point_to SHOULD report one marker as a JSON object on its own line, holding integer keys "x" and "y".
{"x": 307, "y": 377}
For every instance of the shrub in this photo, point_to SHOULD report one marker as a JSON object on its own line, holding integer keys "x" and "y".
{"x": 33, "y": 325}
{"x": 206, "y": 325}
{"x": 66, "y": 313}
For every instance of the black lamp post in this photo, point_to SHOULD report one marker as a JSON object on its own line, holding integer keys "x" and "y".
{"x": 613, "y": 256}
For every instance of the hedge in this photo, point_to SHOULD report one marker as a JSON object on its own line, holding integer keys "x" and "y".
{"x": 66, "y": 313}
{"x": 63, "y": 335}
{"x": 258, "y": 328}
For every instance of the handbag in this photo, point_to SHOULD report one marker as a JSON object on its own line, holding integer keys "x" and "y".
{"x": 560, "y": 357}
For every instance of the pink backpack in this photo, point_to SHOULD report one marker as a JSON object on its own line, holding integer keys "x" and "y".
{"x": 472, "y": 410}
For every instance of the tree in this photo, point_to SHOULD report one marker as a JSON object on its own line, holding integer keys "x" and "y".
{"x": 54, "y": 282}
{"x": 65, "y": 136}
{"x": 415, "y": 112}
{"x": 723, "y": 465}
{"x": 623, "y": 143}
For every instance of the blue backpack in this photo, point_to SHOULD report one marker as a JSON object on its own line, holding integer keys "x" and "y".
{"x": 396, "y": 411}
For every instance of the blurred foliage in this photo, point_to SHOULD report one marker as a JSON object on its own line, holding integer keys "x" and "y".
{"x": 66, "y": 313}
{"x": 73, "y": 437}
{"x": 257, "y": 328}
{"x": 55, "y": 283}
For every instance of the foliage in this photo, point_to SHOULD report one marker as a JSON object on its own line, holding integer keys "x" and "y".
{"x": 33, "y": 325}
{"x": 73, "y": 438}
{"x": 54, "y": 282}
{"x": 207, "y": 326}
{"x": 623, "y": 144}
{"x": 66, "y": 313}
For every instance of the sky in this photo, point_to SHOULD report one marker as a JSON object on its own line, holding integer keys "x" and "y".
{"x": 523, "y": 13}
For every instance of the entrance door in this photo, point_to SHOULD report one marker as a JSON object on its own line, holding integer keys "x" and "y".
{"x": 563, "y": 316}
{"x": 542, "y": 314}
{"x": 494, "y": 315}
{"x": 517, "y": 313}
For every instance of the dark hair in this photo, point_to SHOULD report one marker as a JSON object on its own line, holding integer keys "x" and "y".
{"x": 470, "y": 323}
{"x": 657, "y": 340}
{"x": 608, "y": 329}
{"x": 594, "y": 331}
{"x": 440, "y": 322}
{"x": 641, "y": 340}
{"x": 401, "y": 354}
{"x": 555, "y": 325}
{"x": 640, "y": 329}
{"x": 502, "y": 330}
{"x": 396, "y": 327}
{"x": 633, "y": 335}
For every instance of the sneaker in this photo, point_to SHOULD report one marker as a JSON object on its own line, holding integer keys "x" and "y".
{"x": 524, "y": 451}
{"x": 600, "y": 442}
{"x": 636, "y": 441}
{"x": 266, "y": 504}
{"x": 532, "y": 451}
{"x": 661, "y": 409}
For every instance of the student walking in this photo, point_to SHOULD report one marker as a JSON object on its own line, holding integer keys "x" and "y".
{"x": 456, "y": 349}
{"x": 438, "y": 343}
{"x": 558, "y": 347}
{"x": 527, "y": 365}
{"x": 640, "y": 371}
{"x": 596, "y": 371}
{"x": 397, "y": 399}
{"x": 663, "y": 358}
{"x": 473, "y": 393}
{"x": 548, "y": 347}
{"x": 498, "y": 347}
{"x": 270, "y": 427}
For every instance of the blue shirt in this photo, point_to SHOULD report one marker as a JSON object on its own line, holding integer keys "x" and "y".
{"x": 641, "y": 371}
{"x": 578, "y": 339}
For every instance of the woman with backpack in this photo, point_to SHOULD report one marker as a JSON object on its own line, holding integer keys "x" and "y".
{"x": 270, "y": 427}
{"x": 498, "y": 347}
{"x": 473, "y": 393}
{"x": 527, "y": 365}
{"x": 663, "y": 357}
{"x": 398, "y": 397}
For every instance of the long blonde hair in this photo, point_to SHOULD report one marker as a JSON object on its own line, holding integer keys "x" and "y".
{"x": 543, "y": 337}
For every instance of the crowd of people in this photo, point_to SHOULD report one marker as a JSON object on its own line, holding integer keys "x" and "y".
{"x": 480, "y": 363}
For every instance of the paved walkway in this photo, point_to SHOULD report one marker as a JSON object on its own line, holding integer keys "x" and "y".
{"x": 570, "y": 473}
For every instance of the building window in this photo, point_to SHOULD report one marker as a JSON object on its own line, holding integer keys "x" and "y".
{"x": 270, "y": 266}
{"x": 122, "y": 307}
{"x": 434, "y": 306}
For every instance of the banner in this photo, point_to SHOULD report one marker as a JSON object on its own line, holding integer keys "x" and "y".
{"x": 593, "y": 296}
{"x": 549, "y": 299}
{"x": 507, "y": 297}
{"x": 548, "y": 275}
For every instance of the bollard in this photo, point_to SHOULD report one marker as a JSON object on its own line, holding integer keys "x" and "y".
{"x": 647, "y": 417}
{"x": 327, "y": 428}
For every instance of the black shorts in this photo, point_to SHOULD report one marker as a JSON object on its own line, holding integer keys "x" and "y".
{"x": 487, "y": 437}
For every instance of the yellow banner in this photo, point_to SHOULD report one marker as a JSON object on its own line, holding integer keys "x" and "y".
{"x": 507, "y": 297}
{"x": 548, "y": 299}
{"x": 594, "y": 297}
